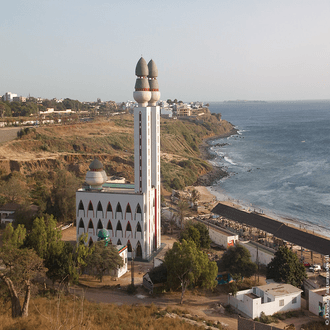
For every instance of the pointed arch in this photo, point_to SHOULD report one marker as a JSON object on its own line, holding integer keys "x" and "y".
{"x": 90, "y": 208}
{"x": 138, "y": 227}
{"x": 109, "y": 225}
{"x": 128, "y": 212}
{"x": 99, "y": 224}
{"x": 138, "y": 213}
{"x": 138, "y": 250}
{"x": 128, "y": 229}
{"x": 81, "y": 223}
{"x": 81, "y": 207}
{"x": 118, "y": 226}
{"x": 119, "y": 210}
{"x": 90, "y": 242}
{"x": 90, "y": 224}
{"x": 109, "y": 207}
{"x": 99, "y": 208}
{"x": 129, "y": 246}
{"x": 119, "y": 242}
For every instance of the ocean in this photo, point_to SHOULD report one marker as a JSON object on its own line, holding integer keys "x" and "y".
{"x": 279, "y": 162}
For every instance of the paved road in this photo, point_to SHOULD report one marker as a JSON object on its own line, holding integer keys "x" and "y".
{"x": 8, "y": 133}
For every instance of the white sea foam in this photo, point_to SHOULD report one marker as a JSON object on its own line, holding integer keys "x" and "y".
{"x": 229, "y": 160}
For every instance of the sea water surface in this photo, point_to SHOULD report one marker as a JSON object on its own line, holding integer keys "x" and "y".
{"x": 279, "y": 162}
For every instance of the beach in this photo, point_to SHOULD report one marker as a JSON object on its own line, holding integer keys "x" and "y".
{"x": 219, "y": 173}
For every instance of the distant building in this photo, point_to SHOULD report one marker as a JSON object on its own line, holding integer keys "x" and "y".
{"x": 9, "y": 97}
{"x": 269, "y": 299}
{"x": 183, "y": 110}
{"x": 19, "y": 99}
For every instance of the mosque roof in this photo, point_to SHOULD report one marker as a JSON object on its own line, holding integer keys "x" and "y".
{"x": 142, "y": 84}
{"x": 141, "y": 69}
{"x": 96, "y": 165}
{"x": 153, "y": 71}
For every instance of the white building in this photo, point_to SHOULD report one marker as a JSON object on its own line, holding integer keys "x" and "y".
{"x": 259, "y": 253}
{"x": 221, "y": 236}
{"x": 130, "y": 212}
{"x": 317, "y": 301}
{"x": 9, "y": 96}
{"x": 270, "y": 298}
{"x": 120, "y": 271}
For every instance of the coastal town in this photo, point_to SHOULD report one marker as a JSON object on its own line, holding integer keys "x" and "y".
{"x": 108, "y": 202}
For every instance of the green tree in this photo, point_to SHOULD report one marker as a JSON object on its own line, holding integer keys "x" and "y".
{"x": 14, "y": 190}
{"x": 14, "y": 237}
{"x": 187, "y": 265}
{"x": 22, "y": 266}
{"x": 286, "y": 267}
{"x": 182, "y": 210}
{"x": 195, "y": 196}
{"x": 237, "y": 261}
{"x": 103, "y": 259}
{"x": 63, "y": 196}
{"x": 199, "y": 233}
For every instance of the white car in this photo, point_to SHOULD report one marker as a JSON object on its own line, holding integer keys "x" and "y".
{"x": 315, "y": 268}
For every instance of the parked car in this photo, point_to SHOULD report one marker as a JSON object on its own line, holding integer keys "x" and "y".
{"x": 307, "y": 264}
{"x": 315, "y": 268}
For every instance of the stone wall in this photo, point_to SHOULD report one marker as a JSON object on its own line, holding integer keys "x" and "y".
{"x": 246, "y": 324}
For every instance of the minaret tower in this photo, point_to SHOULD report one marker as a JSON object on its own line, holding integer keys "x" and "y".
{"x": 147, "y": 149}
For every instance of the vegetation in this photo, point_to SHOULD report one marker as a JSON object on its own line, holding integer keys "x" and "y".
{"x": 286, "y": 267}
{"x": 65, "y": 312}
{"x": 237, "y": 261}
{"x": 198, "y": 233}
{"x": 186, "y": 265}
{"x": 103, "y": 259}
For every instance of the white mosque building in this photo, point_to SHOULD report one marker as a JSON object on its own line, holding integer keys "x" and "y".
{"x": 130, "y": 212}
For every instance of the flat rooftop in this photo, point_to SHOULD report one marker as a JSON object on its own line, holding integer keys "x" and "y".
{"x": 279, "y": 289}
{"x": 117, "y": 188}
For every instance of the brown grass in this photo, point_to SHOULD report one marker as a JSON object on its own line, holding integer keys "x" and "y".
{"x": 69, "y": 312}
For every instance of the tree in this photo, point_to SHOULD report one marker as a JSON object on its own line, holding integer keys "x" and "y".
{"x": 199, "y": 233}
{"x": 14, "y": 237}
{"x": 195, "y": 196}
{"x": 286, "y": 267}
{"x": 103, "y": 259}
{"x": 14, "y": 190}
{"x": 22, "y": 266}
{"x": 237, "y": 261}
{"x": 187, "y": 265}
{"x": 63, "y": 196}
{"x": 182, "y": 209}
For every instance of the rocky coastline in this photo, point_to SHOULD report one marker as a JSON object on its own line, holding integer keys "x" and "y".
{"x": 217, "y": 172}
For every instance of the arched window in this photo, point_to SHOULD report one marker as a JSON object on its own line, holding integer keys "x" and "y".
{"x": 99, "y": 208}
{"x": 128, "y": 227}
{"x": 138, "y": 227}
{"x": 118, "y": 208}
{"x": 128, "y": 209}
{"x": 138, "y": 250}
{"x": 81, "y": 206}
{"x": 90, "y": 207}
{"x": 90, "y": 243}
{"x": 81, "y": 224}
{"x": 90, "y": 224}
{"x": 129, "y": 246}
{"x": 138, "y": 209}
{"x": 119, "y": 242}
{"x": 109, "y": 226}
{"x": 118, "y": 226}
{"x": 99, "y": 224}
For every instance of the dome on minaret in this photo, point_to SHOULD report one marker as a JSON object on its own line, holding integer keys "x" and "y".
{"x": 142, "y": 89}
{"x": 153, "y": 71}
{"x": 141, "y": 69}
{"x": 96, "y": 176}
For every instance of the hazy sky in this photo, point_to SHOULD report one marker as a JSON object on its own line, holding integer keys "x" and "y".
{"x": 210, "y": 50}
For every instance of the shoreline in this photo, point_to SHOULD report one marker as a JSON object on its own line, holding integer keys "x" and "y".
{"x": 217, "y": 173}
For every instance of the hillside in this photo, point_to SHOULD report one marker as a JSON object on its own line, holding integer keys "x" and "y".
{"x": 73, "y": 147}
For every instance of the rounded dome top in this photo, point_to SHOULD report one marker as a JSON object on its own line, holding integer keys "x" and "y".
{"x": 96, "y": 165}
{"x": 141, "y": 69}
{"x": 103, "y": 234}
{"x": 153, "y": 71}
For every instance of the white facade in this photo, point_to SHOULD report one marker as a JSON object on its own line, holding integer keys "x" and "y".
{"x": 270, "y": 298}
{"x": 120, "y": 271}
{"x": 9, "y": 96}
{"x": 318, "y": 301}
{"x": 260, "y": 253}
{"x": 222, "y": 236}
{"x": 131, "y": 213}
